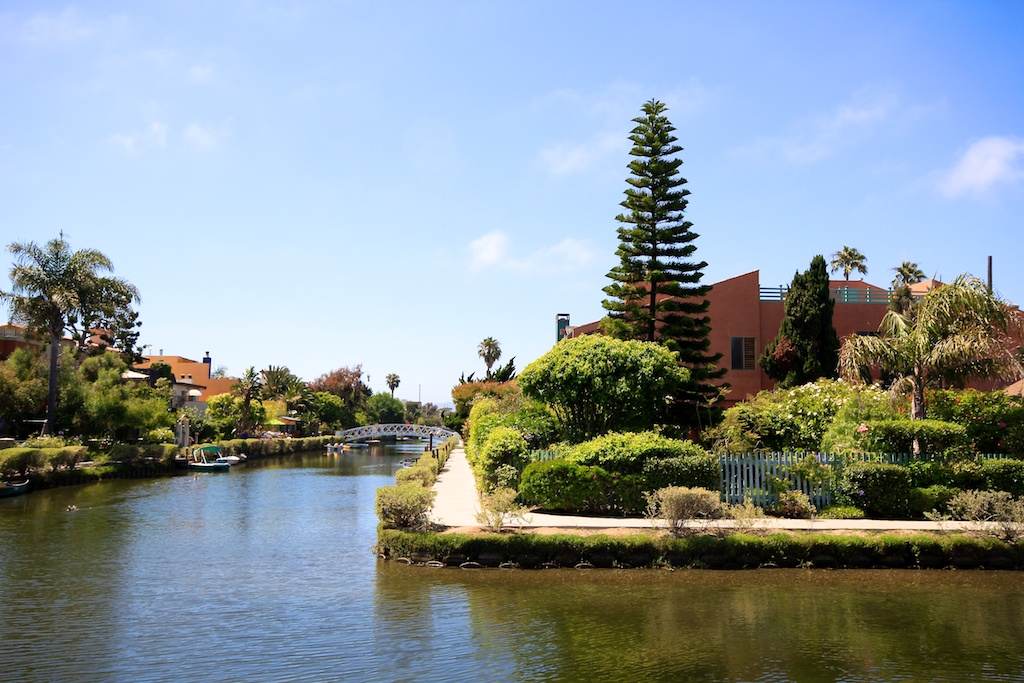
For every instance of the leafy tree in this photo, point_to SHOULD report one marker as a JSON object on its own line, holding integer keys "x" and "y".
{"x": 249, "y": 388}
{"x": 806, "y": 346}
{"x": 849, "y": 260}
{"x": 347, "y": 384}
{"x": 280, "y": 383}
{"x": 326, "y": 410}
{"x": 382, "y": 409}
{"x": 656, "y": 293}
{"x": 490, "y": 351}
{"x": 506, "y": 372}
{"x": 595, "y": 384}
{"x": 56, "y": 290}
{"x": 957, "y": 332}
{"x": 392, "y": 381}
{"x": 22, "y": 388}
{"x": 907, "y": 274}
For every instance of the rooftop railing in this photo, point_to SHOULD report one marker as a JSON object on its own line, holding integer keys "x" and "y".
{"x": 841, "y": 295}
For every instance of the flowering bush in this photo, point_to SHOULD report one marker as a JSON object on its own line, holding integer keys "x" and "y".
{"x": 790, "y": 419}
{"x": 994, "y": 421}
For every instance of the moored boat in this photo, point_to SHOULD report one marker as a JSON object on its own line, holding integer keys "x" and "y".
{"x": 208, "y": 459}
{"x": 13, "y": 488}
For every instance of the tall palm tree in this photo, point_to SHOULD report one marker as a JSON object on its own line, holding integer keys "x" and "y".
{"x": 53, "y": 288}
{"x": 490, "y": 351}
{"x": 957, "y": 332}
{"x": 392, "y": 381}
{"x": 849, "y": 260}
{"x": 250, "y": 389}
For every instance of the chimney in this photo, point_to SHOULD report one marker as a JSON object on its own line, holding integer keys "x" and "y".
{"x": 990, "y": 274}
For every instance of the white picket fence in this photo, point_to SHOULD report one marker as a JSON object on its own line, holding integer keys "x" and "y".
{"x": 751, "y": 475}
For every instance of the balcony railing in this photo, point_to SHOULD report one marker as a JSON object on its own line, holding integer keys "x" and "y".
{"x": 841, "y": 295}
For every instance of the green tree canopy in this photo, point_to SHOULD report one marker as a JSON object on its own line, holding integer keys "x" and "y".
{"x": 56, "y": 290}
{"x": 806, "y": 346}
{"x": 655, "y": 294}
{"x": 382, "y": 409}
{"x": 596, "y": 384}
{"x": 957, "y": 332}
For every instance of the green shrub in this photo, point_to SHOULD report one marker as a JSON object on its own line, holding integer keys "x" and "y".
{"x": 879, "y": 489}
{"x": 499, "y": 508}
{"x": 419, "y": 475}
{"x": 564, "y": 485}
{"x": 697, "y": 469}
{"x": 160, "y": 435}
{"x": 994, "y": 420}
{"x": 405, "y": 506}
{"x": 841, "y": 512}
{"x": 797, "y": 418}
{"x": 1004, "y": 475}
{"x": 676, "y": 505}
{"x": 628, "y": 452}
{"x": 931, "y": 498}
{"x": 990, "y": 506}
{"x": 793, "y": 505}
{"x": 504, "y": 446}
{"x": 19, "y": 461}
{"x": 934, "y": 437}
{"x": 66, "y": 458}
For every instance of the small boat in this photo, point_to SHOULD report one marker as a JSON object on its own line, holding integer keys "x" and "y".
{"x": 201, "y": 461}
{"x": 13, "y": 488}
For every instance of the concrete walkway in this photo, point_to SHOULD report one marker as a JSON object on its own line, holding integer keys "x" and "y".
{"x": 458, "y": 503}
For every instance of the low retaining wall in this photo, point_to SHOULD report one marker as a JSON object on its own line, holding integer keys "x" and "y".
{"x": 734, "y": 551}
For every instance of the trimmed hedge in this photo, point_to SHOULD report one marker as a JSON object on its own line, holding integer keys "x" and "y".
{"x": 21, "y": 461}
{"x": 879, "y": 489}
{"x": 564, "y": 485}
{"x": 629, "y": 453}
{"x": 1003, "y": 475}
{"x": 735, "y": 551}
{"x": 935, "y": 437}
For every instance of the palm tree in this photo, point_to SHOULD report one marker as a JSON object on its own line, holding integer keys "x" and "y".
{"x": 52, "y": 289}
{"x": 250, "y": 389}
{"x": 392, "y": 381}
{"x": 849, "y": 260}
{"x": 957, "y": 332}
{"x": 907, "y": 274}
{"x": 490, "y": 351}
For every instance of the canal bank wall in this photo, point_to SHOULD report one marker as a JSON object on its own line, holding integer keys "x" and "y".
{"x": 731, "y": 551}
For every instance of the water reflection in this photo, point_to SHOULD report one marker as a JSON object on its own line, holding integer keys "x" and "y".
{"x": 266, "y": 574}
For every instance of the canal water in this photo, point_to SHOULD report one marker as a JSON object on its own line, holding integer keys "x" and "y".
{"x": 266, "y": 574}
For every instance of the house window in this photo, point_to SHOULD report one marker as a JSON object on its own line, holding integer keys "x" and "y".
{"x": 744, "y": 353}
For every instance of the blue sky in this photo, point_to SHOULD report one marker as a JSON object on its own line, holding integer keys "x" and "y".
{"x": 325, "y": 184}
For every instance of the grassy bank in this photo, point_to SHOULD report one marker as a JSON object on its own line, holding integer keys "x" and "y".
{"x": 734, "y": 551}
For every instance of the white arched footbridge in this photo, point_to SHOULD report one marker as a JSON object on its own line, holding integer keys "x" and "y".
{"x": 442, "y": 434}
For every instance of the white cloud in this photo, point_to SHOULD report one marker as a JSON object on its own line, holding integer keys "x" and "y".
{"x": 200, "y": 74}
{"x": 65, "y": 27}
{"x": 153, "y": 137}
{"x": 564, "y": 158}
{"x": 492, "y": 252}
{"x": 985, "y": 164}
{"x": 200, "y": 136}
{"x": 819, "y": 137}
{"x": 488, "y": 250}
{"x": 609, "y": 113}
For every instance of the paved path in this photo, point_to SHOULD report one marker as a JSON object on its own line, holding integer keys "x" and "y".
{"x": 458, "y": 503}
